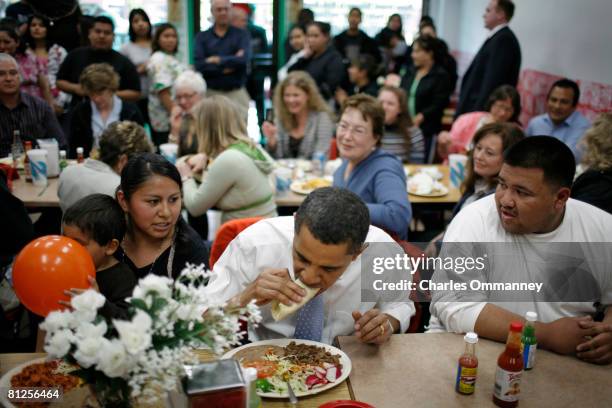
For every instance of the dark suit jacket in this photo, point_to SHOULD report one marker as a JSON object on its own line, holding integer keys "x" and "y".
{"x": 81, "y": 134}
{"x": 432, "y": 97}
{"x": 498, "y": 62}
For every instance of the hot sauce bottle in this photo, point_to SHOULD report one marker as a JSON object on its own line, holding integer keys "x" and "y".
{"x": 509, "y": 370}
{"x": 467, "y": 366}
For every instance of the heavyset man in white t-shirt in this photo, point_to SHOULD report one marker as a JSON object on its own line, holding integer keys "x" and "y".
{"x": 531, "y": 207}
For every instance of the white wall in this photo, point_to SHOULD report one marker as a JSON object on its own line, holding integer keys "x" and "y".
{"x": 570, "y": 38}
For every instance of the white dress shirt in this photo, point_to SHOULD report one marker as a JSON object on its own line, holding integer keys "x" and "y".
{"x": 268, "y": 244}
{"x": 479, "y": 222}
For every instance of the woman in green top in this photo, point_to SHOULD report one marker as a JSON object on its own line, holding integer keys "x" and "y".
{"x": 236, "y": 173}
{"x": 428, "y": 87}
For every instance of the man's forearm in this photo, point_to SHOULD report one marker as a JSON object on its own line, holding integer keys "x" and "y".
{"x": 493, "y": 322}
{"x": 129, "y": 95}
{"x": 69, "y": 87}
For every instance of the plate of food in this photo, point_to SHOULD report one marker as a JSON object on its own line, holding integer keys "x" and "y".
{"x": 423, "y": 185}
{"x": 310, "y": 367}
{"x": 43, "y": 372}
{"x": 308, "y": 186}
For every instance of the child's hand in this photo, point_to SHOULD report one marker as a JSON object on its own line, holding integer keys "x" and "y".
{"x": 74, "y": 291}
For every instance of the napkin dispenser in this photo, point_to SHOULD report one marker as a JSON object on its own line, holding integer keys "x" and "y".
{"x": 52, "y": 148}
{"x": 216, "y": 384}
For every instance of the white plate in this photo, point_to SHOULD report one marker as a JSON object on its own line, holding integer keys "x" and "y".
{"x": 298, "y": 187}
{"x": 442, "y": 191}
{"x": 5, "y": 381}
{"x": 344, "y": 360}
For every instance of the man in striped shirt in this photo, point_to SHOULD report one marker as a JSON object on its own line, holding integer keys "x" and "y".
{"x": 32, "y": 116}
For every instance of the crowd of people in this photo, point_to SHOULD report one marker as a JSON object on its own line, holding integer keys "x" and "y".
{"x": 376, "y": 101}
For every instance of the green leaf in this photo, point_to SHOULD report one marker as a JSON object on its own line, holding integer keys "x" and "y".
{"x": 139, "y": 304}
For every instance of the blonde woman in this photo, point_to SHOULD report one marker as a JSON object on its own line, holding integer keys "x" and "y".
{"x": 303, "y": 124}
{"x": 594, "y": 186}
{"x": 100, "y": 173}
{"x": 237, "y": 180}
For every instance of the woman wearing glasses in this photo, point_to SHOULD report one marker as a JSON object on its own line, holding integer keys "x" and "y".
{"x": 374, "y": 175}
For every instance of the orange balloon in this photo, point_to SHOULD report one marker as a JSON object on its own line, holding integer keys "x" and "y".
{"x": 48, "y": 266}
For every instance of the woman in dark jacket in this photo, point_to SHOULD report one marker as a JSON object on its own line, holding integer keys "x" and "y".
{"x": 594, "y": 186}
{"x": 321, "y": 60}
{"x": 428, "y": 87}
{"x": 102, "y": 107}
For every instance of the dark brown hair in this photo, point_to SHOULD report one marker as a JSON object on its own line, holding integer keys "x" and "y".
{"x": 509, "y": 133}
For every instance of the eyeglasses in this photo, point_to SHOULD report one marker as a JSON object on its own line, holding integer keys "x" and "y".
{"x": 358, "y": 131}
{"x": 185, "y": 96}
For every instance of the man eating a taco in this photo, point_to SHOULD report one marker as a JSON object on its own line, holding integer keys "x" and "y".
{"x": 305, "y": 273}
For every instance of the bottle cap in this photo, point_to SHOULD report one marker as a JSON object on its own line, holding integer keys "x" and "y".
{"x": 531, "y": 316}
{"x": 250, "y": 374}
{"x": 471, "y": 337}
{"x": 62, "y": 152}
{"x": 79, "y": 150}
{"x": 516, "y": 326}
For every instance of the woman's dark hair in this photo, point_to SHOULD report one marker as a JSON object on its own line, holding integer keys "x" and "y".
{"x": 501, "y": 93}
{"x": 158, "y": 32}
{"x": 141, "y": 167}
{"x": 334, "y": 216}
{"x": 366, "y": 62}
{"x": 7, "y": 28}
{"x": 401, "y": 26}
{"x": 509, "y": 133}
{"x": 323, "y": 26}
{"x": 27, "y": 37}
{"x": 138, "y": 12}
{"x": 431, "y": 45}
{"x": 305, "y": 17}
{"x": 85, "y": 24}
{"x": 404, "y": 121}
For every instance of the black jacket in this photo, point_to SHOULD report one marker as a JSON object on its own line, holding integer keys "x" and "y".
{"x": 498, "y": 62}
{"x": 594, "y": 187}
{"x": 327, "y": 70}
{"x": 366, "y": 44}
{"x": 81, "y": 134}
{"x": 432, "y": 97}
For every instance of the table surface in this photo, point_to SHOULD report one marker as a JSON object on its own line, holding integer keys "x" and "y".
{"x": 291, "y": 199}
{"x": 340, "y": 392}
{"x": 35, "y": 196}
{"x": 419, "y": 370}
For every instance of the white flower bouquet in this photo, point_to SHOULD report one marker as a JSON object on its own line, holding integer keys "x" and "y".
{"x": 133, "y": 359}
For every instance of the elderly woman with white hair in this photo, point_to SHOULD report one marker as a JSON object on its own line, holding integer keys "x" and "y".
{"x": 189, "y": 89}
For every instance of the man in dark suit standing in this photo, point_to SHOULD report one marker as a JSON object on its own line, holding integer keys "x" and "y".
{"x": 498, "y": 61}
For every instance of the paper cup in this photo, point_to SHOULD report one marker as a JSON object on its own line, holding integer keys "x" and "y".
{"x": 38, "y": 164}
{"x": 169, "y": 151}
{"x": 457, "y": 164}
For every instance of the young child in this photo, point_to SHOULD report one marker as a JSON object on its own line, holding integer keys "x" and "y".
{"x": 98, "y": 223}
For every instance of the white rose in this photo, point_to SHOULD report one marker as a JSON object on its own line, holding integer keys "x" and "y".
{"x": 87, "y": 330}
{"x": 58, "y": 344}
{"x": 87, "y": 351}
{"x": 88, "y": 302}
{"x": 135, "y": 335}
{"x": 150, "y": 283}
{"x": 56, "y": 320}
{"x": 113, "y": 361}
